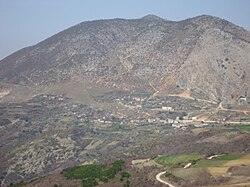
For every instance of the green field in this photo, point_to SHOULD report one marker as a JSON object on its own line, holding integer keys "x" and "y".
{"x": 219, "y": 161}
{"x": 204, "y": 170}
{"x": 177, "y": 160}
{"x": 241, "y": 127}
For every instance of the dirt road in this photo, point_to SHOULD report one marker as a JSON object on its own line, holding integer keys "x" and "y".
{"x": 158, "y": 177}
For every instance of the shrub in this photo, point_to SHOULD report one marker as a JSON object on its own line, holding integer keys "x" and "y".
{"x": 125, "y": 174}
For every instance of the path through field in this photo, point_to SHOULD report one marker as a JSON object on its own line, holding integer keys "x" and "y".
{"x": 158, "y": 177}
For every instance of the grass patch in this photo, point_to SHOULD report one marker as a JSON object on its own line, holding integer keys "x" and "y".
{"x": 219, "y": 161}
{"x": 241, "y": 127}
{"x": 232, "y": 156}
{"x": 177, "y": 160}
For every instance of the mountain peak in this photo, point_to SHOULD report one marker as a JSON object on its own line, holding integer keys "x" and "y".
{"x": 208, "y": 17}
{"x": 152, "y": 17}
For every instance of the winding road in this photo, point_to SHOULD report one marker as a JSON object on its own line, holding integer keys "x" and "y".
{"x": 158, "y": 177}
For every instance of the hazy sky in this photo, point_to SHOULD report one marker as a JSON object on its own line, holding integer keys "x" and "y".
{"x": 27, "y": 22}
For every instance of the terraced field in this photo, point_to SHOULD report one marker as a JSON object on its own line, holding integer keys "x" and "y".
{"x": 227, "y": 170}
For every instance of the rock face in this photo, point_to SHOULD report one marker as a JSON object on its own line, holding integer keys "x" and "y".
{"x": 206, "y": 55}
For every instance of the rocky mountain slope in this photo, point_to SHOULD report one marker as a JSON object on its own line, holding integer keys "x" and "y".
{"x": 205, "y": 55}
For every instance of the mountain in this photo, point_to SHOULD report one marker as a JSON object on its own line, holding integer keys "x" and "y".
{"x": 206, "y": 56}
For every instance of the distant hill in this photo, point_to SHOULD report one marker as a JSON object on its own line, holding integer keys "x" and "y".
{"x": 208, "y": 56}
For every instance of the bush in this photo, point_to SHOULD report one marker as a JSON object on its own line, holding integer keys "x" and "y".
{"x": 89, "y": 182}
{"x": 104, "y": 179}
{"x": 81, "y": 172}
{"x": 125, "y": 174}
{"x": 89, "y": 173}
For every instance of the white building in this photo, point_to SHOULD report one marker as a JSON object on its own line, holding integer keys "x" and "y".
{"x": 167, "y": 108}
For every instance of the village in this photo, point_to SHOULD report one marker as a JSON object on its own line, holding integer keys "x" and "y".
{"x": 173, "y": 112}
